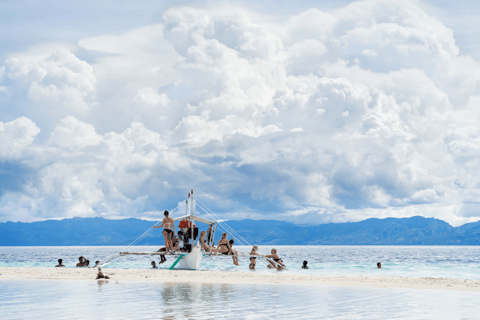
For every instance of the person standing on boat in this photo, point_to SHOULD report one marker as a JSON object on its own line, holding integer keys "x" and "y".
{"x": 168, "y": 230}
{"x": 225, "y": 248}
{"x": 278, "y": 262}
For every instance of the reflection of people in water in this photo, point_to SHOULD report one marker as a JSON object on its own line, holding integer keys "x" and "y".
{"x": 168, "y": 230}
{"x": 154, "y": 265}
{"x": 305, "y": 264}
{"x": 274, "y": 256}
{"x": 253, "y": 260}
{"x": 60, "y": 264}
{"x": 379, "y": 265}
{"x": 225, "y": 248}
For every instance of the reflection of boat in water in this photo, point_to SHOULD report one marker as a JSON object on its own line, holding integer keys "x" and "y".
{"x": 192, "y": 254}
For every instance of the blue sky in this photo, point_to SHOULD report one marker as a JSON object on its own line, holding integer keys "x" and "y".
{"x": 324, "y": 111}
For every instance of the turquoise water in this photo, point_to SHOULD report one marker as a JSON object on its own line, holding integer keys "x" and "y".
{"x": 47, "y": 299}
{"x": 461, "y": 262}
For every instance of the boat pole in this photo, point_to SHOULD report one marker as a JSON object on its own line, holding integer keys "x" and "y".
{"x": 191, "y": 212}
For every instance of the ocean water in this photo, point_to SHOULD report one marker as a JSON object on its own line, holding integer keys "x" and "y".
{"x": 48, "y": 299}
{"x": 460, "y": 262}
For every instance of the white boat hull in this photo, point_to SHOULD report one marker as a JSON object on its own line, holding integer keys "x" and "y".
{"x": 192, "y": 260}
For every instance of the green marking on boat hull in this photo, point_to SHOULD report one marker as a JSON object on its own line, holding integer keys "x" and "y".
{"x": 176, "y": 261}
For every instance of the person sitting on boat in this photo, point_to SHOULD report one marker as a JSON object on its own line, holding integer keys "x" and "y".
{"x": 253, "y": 260}
{"x": 168, "y": 230}
{"x": 224, "y": 246}
{"x": 60, "y": 264}
{"x": 175, "y": 243}
{"x": 305, "y": 264}
{"x": 278, "y": 262}
{"x": 204, "y": 244}
{"x": 181, "y": 245}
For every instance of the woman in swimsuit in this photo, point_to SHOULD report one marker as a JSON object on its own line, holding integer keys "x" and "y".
{"x": 225, "y": 248}
{"x": 253, "y": 260}
{"x": 167, "y": 225}
{"x": 274, "y": 256}
{"x": 204, "y": 244}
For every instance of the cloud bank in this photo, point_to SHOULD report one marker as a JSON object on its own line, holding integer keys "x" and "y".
{"x": 366, "y": 111}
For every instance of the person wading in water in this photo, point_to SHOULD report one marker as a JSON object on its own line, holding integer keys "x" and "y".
{"x": 168, "y": 231}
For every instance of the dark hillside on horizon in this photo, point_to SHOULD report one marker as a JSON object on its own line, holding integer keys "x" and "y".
{"x": 102, "y": 232}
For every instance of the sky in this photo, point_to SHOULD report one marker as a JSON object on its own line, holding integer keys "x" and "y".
{"x": 311, "y": 112}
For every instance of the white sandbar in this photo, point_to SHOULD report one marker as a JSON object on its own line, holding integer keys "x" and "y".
{"x": 240, "y": 277}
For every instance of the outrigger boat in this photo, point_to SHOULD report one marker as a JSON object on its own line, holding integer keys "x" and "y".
{"x": 191, "y": 260}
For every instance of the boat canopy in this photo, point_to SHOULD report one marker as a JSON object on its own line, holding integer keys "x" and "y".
{"x": 195, "y": 218}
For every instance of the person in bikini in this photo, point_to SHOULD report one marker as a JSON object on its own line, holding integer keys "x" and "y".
{"x": 225, "y": 248}
{"x": 204, "y": 244}
{"x": 253, "y": 260}
{"x": 168, "y": 231}
{"x": 274, "y": 256}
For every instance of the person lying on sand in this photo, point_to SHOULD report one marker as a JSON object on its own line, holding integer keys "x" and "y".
{"x": 305, "y": 264}
{"x": 274, "y": 256}
{"x": 60, "y": 264}
{"x": 204, "y": 244}
{"x": 154, "y": 265}
{"x": 225, "y": 248}
{"x": 253, "y": 260}
{"x": 100, "y": 275}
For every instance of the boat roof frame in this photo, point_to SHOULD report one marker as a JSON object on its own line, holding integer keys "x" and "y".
{"x": 195, "y": 218}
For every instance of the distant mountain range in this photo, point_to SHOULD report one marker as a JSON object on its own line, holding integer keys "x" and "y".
{"x": 104, "y": 232}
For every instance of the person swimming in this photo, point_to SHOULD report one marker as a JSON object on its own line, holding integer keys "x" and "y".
{"x": 305, "y": 264}
{"x": 81, "y": 262}
{"x": 278, "y": 262}
{"x": 154, "y": 265}
{"x": 253, "y": 260}
{"x": 60, "y": 264}
{"x": 379, "y": 265}
{"x": 168, "y": 231}
{"x": 96, "y": 264}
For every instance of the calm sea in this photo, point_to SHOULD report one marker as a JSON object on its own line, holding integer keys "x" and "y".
{"x": 461, "y": 262}
{"x": 47, "y": 299}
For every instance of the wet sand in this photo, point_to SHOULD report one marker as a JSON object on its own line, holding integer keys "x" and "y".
{"x": 240, "y": 277}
